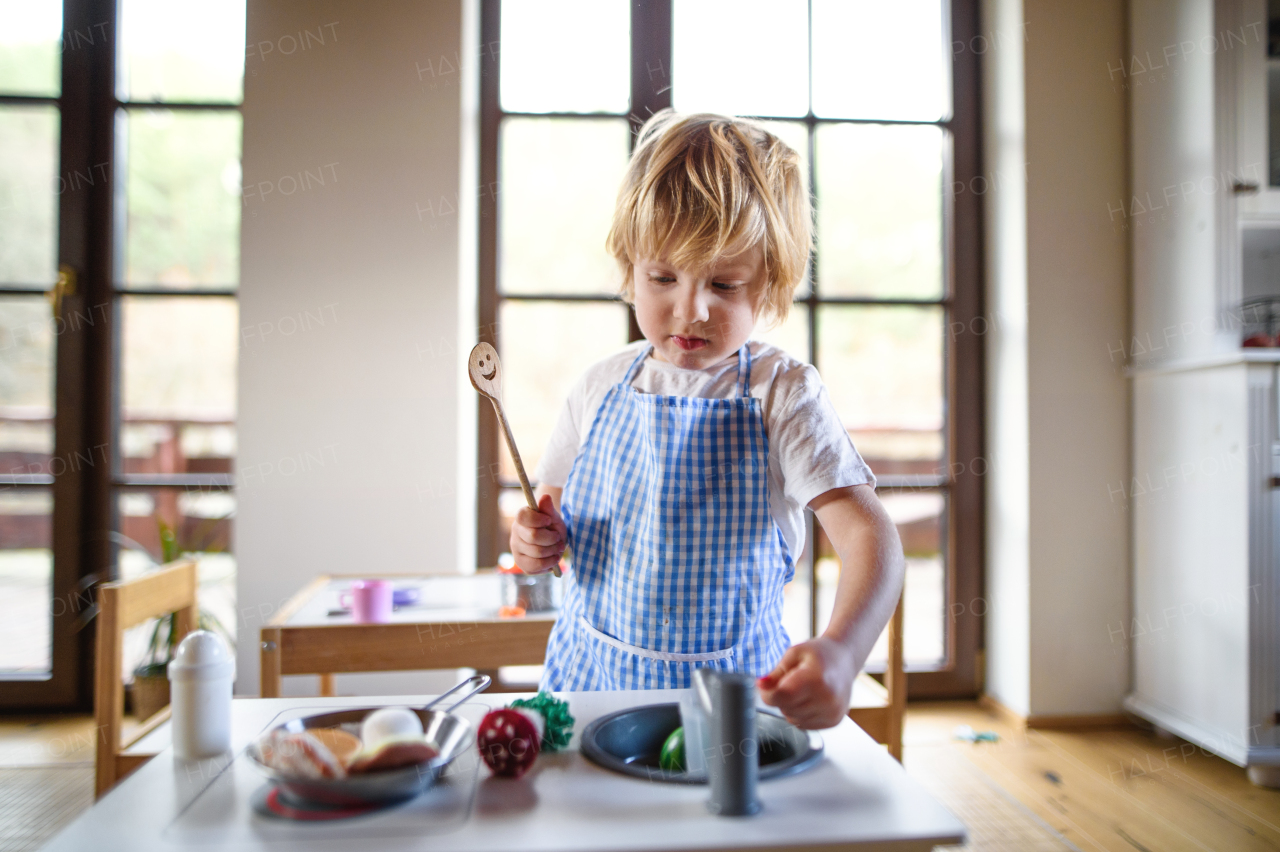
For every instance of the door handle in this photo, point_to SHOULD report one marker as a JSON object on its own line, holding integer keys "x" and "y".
{"x": 65, "y": 286}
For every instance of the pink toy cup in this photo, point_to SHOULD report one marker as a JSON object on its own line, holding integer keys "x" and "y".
{"x": 368, "y": 600}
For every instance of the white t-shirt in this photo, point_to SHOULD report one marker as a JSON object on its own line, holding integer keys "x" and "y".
{"x": 809, "y": 450}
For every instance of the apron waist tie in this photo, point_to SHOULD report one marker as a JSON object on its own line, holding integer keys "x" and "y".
{"x": 655, "y": 655}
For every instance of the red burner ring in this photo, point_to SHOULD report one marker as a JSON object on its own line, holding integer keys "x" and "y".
{"x": 279, "y": 807}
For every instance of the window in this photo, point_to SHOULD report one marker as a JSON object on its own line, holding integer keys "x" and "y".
{"x": 564, "y": 139}
{"x": 30, "y": 131}
{"x": 177, "y": 266}
{"x": 883, "y": 111}
{"x": 120, "y": 210}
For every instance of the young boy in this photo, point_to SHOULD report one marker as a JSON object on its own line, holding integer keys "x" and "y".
{"x": 680, "y": 468}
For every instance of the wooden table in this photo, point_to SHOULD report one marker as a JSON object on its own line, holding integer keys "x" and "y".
{"x": 858, "y": 797}
{"x": 455, "y": 625}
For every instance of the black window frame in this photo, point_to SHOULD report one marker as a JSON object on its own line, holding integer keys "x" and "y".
{"x": 961, "y": 302}
{"x": 87, "y": 410}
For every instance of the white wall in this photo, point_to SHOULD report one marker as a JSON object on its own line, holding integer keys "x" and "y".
{"x": 1077, "y": 310}
{"x": 1057, "y": 285}
{"x": 353, "y": 410}
{"x": 1004, "y": 137}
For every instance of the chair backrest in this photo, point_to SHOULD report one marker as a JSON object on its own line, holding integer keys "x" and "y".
{"x": 120, "y": 606}
{"x": 895, "y": 680}
{"x": 879, "y": 709}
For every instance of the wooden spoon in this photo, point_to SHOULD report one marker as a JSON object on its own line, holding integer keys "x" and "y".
{"x": 485, "y": 369}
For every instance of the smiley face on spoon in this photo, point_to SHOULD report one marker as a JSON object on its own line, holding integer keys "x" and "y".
{"x": 484, "y": 362}
{"x": 485, "y": 370}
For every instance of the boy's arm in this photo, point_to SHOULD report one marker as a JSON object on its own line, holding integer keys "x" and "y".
{"x": 813, "y": 681}
{"x": 552, "y": 490}
{"x": 873, "y": 569}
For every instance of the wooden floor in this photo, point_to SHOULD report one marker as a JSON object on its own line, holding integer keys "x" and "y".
{"x": 46, "y": 776}
{"x": 1117, "y": 790}
{"x": 1123, "y": 789}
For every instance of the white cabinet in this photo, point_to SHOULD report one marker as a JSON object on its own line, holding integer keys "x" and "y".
{"x": 1205, "y": 628}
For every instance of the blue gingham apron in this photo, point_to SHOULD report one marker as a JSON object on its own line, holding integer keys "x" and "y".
{"x": 677, "y": 561}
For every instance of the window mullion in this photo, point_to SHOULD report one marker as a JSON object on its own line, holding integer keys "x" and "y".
{"x": 650, "y": 60}
{"x": 650, "y": 80}
{"x": 84, "y": 380}
{"x": 488, "y": 488}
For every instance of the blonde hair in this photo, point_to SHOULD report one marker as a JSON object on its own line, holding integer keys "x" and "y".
{"x": 703, "y": 186}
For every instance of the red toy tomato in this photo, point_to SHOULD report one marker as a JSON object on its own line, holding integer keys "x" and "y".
{"x": 509, "y": 740}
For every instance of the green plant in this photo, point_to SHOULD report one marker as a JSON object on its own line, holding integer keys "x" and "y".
{"x": 163, "y": 642}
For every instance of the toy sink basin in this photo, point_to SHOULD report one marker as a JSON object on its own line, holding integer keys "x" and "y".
{"x": 629, "y": 741}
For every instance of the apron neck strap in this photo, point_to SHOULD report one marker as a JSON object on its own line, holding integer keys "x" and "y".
{"x": 635, "y": 365}
{"x": 744, "y": 368}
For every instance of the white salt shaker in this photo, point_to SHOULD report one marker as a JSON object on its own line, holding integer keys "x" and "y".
{"x": 200, "y": 678}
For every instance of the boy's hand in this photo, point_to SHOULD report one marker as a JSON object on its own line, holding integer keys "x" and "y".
{"x": 812, "y": 683}
{"x": 538, "y": 538}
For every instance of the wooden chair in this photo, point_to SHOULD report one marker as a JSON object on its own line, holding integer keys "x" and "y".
{"x": 878, "y": 709}
{"x": 121, "y": 606}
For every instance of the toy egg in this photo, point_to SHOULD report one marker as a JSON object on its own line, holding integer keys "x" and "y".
{"x": 389, "y": 723}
